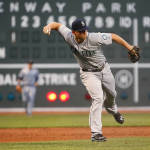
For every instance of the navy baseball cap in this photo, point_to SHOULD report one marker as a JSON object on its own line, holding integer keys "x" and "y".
{"x": 30, "y": 62}
{"x": 79, "y": 25}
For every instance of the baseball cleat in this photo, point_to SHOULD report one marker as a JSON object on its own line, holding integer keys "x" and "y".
{"x": 98, "y": 138}
{"x": 119, "y": 118}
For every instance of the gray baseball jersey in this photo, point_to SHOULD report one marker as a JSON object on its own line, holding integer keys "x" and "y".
{"x": 89, "y": 53}
{"x": 100, "y": 85}
{"x": 28, "y": 78}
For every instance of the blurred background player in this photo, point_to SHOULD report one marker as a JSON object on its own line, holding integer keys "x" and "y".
{"x": 26, "y": 85}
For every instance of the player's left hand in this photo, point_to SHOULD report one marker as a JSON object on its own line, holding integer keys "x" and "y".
{"x": 36, "y": 84}
{"x": 47, "y": 30}
{"x": 18, "y": 89}
{"x": 134, "y": 54}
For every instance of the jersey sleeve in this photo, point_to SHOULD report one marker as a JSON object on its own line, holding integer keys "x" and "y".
{"x": 105, "y": 38}
{"x": 64, "y": 31}
{"x": 37, "y": 75}
{"x": 20, "y": 75}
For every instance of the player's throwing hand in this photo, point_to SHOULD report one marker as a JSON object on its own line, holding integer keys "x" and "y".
{"x": 52, "y": 26}
{"x": 47, "y": 30}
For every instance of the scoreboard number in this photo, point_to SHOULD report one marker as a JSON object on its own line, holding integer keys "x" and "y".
{"x": 24, "y": 21}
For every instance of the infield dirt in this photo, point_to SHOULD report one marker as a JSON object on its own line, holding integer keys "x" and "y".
{"x": 52, "y": 134}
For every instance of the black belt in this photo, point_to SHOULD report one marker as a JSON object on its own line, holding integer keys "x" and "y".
{"x": 95, "y": 69}
{"x": 92, "y": 70}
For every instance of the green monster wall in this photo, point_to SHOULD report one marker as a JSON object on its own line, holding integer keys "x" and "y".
{"x": 21, "y": 39}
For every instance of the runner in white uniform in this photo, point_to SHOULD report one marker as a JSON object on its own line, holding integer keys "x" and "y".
{"x": 95, "y": 71}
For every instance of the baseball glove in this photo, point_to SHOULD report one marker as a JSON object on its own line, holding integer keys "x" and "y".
{"x": 18, "y": 89}
{"x": 134, "y": 54}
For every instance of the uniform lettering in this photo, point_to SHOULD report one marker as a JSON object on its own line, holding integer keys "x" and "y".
{"x": 86, "y": 53}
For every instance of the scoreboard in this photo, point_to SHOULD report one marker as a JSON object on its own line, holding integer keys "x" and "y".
{"x": 22, "y": 39}
{"x": 22, "y": 21}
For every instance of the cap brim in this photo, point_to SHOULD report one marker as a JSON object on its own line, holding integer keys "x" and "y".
{"x": 83, "y": 29}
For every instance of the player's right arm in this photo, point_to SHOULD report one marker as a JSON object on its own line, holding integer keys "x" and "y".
{"x": 52, "y": 26}
{"x": 62, "y": 29}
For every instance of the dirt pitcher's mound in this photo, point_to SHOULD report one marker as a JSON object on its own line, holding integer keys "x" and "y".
{"x": 48, "y": 134}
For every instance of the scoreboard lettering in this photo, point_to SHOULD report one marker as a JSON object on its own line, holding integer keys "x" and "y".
{"x": 46, "y": 7}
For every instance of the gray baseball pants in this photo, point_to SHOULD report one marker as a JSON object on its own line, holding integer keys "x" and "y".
{"x": 101, "y": 87}
{"x": 28, "y": 96}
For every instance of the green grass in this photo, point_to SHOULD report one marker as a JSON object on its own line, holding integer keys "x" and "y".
{"x": 75, "y": 120}
{"x": 134, "y": 143}
{"x": 68, "y": 120}
{"x": 48, "y": 120}
{"x": 138, "y": 119}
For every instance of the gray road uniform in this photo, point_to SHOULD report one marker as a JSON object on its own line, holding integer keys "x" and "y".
{"x": 95, "y": 73}
{"x": 28, "y": 78}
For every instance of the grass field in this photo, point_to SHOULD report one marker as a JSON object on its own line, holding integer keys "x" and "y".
{"x": 75, "y": 120}
{"x": 112, "y": 144}
{"x": 68, "y": 120}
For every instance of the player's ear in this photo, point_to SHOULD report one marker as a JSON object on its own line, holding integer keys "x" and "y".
{"x": 73, "y": 32}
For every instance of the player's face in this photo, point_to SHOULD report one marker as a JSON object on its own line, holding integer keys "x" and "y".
{"x": 30, "y": 66}
{"x": 80, "y": 36}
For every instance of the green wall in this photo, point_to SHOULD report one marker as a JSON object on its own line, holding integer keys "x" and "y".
{"x": 21, "y": 39}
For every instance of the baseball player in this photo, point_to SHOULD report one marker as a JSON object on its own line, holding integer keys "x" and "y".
{"x": 26, "y": 85}
{"x": 95, "y": 71}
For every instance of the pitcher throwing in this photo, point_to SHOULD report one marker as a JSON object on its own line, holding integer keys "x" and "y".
{"x": 95, "y": 71}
